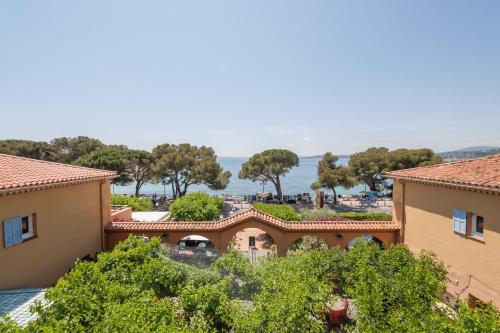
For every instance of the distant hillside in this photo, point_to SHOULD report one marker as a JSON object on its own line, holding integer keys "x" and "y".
{"x": 469, "y": 152}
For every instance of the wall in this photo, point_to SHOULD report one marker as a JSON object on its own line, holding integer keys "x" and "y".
{"x": 282, "y": 239}
{"x": 68, "y": 223}
{"x": 427, "y": 221}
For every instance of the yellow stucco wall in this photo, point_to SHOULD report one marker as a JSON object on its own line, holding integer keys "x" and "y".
{"x": 68, "y": 223}
{"x": 427, "y": 219}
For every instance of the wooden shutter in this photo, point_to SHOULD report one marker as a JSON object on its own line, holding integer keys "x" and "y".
{"x": 12, "y": 232}
{"x": 459, "y": 221}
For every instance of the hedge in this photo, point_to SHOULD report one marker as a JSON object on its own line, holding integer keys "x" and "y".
{"x": 283, "y": 212}
{"x": 196, "y": 206}
{"x": 137, "y": 204}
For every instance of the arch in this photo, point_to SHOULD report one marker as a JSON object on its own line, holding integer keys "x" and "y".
{"x": 195, "y": 242}
{"x": 254, "y": 242}
{"x": 307, "y": 242}
{"x": 366, "y": 237}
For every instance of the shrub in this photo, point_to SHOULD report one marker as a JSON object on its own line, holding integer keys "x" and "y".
{"x": 325, "y": 214}
{"x": 196, "y": 206}
{"x": 366, "y": 216}
{"x": 283, "y": 212}
{"x": 137, "y": 204}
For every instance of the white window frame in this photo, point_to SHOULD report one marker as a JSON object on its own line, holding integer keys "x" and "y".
{"x": 474, "y": 232}
{"x": 31, "y": 231}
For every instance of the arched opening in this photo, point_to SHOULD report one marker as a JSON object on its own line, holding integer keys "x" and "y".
{"x": 253, "y": 242}
{"x": 195, "y": 243}
{"x": 369, "y": 238}
{"x": 195, "y": 250}
{"x": 307, "y": 243}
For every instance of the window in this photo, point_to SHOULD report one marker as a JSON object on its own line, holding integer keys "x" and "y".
{"x": 477, "y": 225}
{"x": 468, "y": 224}
{"x": 251, "y": 241}
{"x": 18, "y": 230}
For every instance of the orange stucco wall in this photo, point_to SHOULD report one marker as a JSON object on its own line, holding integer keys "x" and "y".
{"x": 68, "y": 223}
{"x": 282, "y": 239}
{"x": 425, "y": 212}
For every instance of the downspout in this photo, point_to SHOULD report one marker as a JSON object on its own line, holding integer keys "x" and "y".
{"x": 101, "y": 215}
{"x": 403, "y": 217}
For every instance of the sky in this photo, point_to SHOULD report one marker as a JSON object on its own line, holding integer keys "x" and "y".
{"x": 244, "y": 76}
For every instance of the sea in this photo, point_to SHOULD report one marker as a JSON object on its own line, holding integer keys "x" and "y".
{"x": 297, "y": 181}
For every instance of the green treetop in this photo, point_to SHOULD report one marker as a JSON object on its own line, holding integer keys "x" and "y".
{"x": 269, "y": 165}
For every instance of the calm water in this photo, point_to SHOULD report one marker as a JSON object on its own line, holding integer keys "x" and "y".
{"x": 296, "y": 181}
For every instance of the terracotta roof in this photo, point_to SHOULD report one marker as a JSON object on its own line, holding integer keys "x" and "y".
{"x": 482, "y": 173}
{"x": 252, "y": 213}
{"x": 25, "y": 173}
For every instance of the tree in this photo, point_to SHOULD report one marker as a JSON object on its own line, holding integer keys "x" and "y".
{"x": 196, "y": 206}
{"x": 331, "y": 175}
{"x": 113, "y": 158}
{"x": 70, "y": 149}
{"x": 39, "y": 150}
{"x": 410, "y": 158}
{"x": 269, "y": 165}
{"x": 139, "y": 166}
{"x": 368, "y": 167}
{"x": 184, "y": 165}
{"x": 131, "y": 165}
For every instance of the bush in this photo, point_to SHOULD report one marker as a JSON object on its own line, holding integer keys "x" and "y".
{"x": 325, "y": 214}
{"x": 137, "y": 204}
{"x": 283, "y": 212}
{"x": 138, "y": 288}
{"x": 197, "y": 206}
{"x": 366, "y": 216}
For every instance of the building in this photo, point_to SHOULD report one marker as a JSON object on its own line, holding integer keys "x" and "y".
{"x": 453, "y": 209}
{"x": 51, "y": 214}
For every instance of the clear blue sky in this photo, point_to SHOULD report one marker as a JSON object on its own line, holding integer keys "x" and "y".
{"x": 243, "y": 76}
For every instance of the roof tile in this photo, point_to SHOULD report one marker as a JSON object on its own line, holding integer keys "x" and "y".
{"x": 481, "y": 172}
{"x": 252, "y": 214}
{"x": 20, "y": 172}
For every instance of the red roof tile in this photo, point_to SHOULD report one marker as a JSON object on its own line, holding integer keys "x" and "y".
{"x": 253, "y": 214}
{"x": 483, "y": 173}
{"x": 20, "y": 172}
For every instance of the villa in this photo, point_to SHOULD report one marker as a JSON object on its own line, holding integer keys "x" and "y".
{"x": 453, "y": 209}
{"x": 51, "y": 214}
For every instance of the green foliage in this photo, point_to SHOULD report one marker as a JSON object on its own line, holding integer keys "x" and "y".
{"x": 130, "y": 165}
{"x": 196, "y": 206}
{"x": 283, "y": 212}
{"x": 394, "y": 291}
{"x": 70, "y": 149}
{"x": 183, "y": 165}
{"x": 370, "y": 165}
{"x": 39, "y": 150}
{"x": 269, "y": 165}
{"x": 138, "y": 288}
{"x": 318, "y": 214}
{"x": 410, "y": 158}
{"x": 366, "y": 216}
{"x": 137, "y": 204}
{"x": 331, "y": 175}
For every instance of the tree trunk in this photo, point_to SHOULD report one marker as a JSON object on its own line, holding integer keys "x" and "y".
{"x": 334, "y": 196}
{"x": 137, "y": 188}
{"x": 277, "y": 184}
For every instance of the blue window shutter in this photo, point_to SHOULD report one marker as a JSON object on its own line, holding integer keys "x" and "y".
{"x": 459, "y": 221}
{"x": 12, "y": 232}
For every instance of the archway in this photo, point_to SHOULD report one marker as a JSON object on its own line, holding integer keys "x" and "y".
{"x": 307, "y": 243}
{"x": 369, "y": 238}
{"x": 253, "y": 242}
{"x": 196, "y": 250}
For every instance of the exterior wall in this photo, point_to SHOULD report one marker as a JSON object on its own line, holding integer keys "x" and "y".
{"x": 122, "y": 214}
{"x": 68, "y": 226}
{"x": 282, "y": 239}
{"x": 426, "y": 217}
